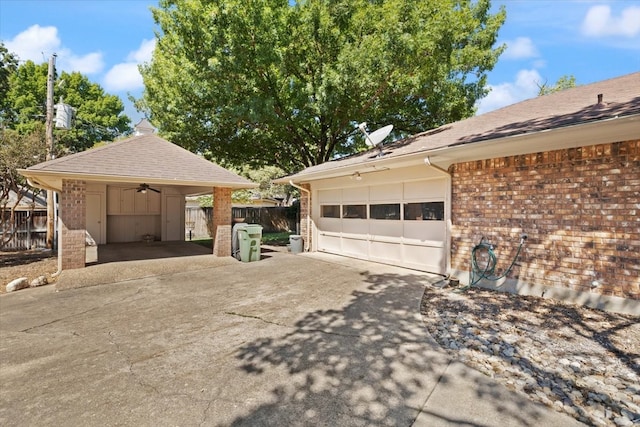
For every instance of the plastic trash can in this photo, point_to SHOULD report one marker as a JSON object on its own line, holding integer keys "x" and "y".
{"x": 235, "y": 241}
{"x": 295, "y": 241}
{"x": 249, "y": 236}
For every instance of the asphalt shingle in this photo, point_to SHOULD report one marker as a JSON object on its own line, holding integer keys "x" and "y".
{"x": 146, "y": 156}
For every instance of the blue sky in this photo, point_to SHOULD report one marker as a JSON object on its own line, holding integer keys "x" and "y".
{"x": 106, "y": 40}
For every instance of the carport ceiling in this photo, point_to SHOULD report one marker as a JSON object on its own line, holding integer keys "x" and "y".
{"x": 141, "y": 159}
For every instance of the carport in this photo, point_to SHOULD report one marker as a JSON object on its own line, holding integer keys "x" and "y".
{"x": 132, "y": 190}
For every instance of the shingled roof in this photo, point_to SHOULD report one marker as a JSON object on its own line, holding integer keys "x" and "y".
{"x": 583, "y": 105}
{"x": 145, "y": 158}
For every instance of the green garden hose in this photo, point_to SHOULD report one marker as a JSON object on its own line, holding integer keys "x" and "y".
{"x": 477, "y": 273}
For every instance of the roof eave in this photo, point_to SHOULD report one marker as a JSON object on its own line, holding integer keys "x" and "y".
{"x": 609, "y": 130}
{"x": 51, "y": 180}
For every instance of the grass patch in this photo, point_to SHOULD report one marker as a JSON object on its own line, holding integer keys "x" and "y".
{"x": 207, "y": 243}
{"x": 274, "y": 239}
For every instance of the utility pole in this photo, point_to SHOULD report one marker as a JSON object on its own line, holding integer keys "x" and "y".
{"x": 51, "y": 204}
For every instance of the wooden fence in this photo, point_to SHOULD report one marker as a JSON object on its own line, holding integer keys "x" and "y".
{"x": 272, "y": 219}
{"x": 29, "y": 230}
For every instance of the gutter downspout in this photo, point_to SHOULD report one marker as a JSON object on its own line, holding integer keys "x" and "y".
{"x": 307, "y": 240}
{"x": 447, "y": 204}
{"x": 57, "y": 220}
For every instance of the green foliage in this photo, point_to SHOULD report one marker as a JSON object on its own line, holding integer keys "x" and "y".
{"x": 17, "y": 152}
{"x": 564, "y": 82}
{"x": 98, "y": 115}
{"x": 264, "y": 177}
{"x": 269, "y": 83}
{"x": 205, "y": 201}
{"x": 8, "y": 66}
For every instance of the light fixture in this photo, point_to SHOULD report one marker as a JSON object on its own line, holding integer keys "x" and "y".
{"x": 356, "y": 176}
{"x": 143, "y": 191}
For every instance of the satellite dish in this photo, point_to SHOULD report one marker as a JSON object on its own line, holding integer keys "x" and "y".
{"x": 375, "y": 138}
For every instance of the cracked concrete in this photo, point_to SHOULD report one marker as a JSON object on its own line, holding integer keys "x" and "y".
{"x": 292, "y": 340}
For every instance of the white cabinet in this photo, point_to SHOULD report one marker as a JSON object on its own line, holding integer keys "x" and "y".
{"x": 128, "y": 201}
{"x": 153, "y": 202}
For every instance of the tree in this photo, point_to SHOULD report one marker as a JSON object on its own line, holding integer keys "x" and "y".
{"x": 266, "y": 188}
{"x": 23, "y": 114}
{"x": 266, "y": 82}
{"x": 16, "y": 152}
{"x": 564, "y": 82}
{"x": 99, "y": 116}
{"x": 8, "y": 66}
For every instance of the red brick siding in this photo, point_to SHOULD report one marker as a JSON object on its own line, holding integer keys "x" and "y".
{"x": 305, "y": 212}
{"x": 72, "y": 223}
{"x": 580, "y": 208}
{"x": 222, "y": 221}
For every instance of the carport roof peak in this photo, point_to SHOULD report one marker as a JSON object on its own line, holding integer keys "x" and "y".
{"x": 145, "y": 157}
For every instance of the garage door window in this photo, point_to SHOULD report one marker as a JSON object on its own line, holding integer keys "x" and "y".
{"x": 429, "y": 211}
{"x": 385, "y": 211}
{"x": 330, "y": 211}
{"x": 354, "y": 211}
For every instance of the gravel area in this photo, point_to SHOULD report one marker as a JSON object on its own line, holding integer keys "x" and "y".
{"x": 29, "y": 264}
{"x": 578, "y": 360}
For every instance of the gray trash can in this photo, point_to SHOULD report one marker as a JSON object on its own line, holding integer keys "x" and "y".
{"x": 295, "y": 241}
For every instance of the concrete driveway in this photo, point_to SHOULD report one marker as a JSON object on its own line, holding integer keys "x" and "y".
{"x": 290, "y": 340}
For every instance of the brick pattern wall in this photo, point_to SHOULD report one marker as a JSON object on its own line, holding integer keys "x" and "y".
{"x": 222, "y": 221}
{"x": 305, "y": 212}
{"x": 580, "y": 208}
{"x": 72, "y": 211}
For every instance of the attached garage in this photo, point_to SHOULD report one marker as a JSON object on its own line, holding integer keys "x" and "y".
{"x": 386, "y": 217}
{"x": 561, "y": 169}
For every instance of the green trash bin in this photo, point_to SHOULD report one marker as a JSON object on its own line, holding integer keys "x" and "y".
{"x": 249, "y": 237}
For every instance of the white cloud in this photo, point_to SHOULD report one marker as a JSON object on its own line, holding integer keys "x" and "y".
{"x": 125, "y": 76}
{"x": 144, "y": 53}
{"x": 524, "y": 87}
{"x": 88, "y": 64}
{"x": 520, "y": 48}
{"x": 599, "y": 22}
{"x": 36, "y": 43}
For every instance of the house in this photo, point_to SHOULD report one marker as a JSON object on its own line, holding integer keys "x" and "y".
{"x": 133, "y": 190}
{"x": 563, "y": 168}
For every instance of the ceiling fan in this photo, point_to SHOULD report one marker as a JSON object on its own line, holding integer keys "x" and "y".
{"x": 142, "y": 188}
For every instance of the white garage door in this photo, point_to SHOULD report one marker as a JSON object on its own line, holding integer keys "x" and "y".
{"x": 401, "y": 224}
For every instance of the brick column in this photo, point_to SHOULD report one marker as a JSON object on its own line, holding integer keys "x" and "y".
{"x": 72, "y": 224}
{"x": 305, "y": 216}
{"x": 222, "y": 221}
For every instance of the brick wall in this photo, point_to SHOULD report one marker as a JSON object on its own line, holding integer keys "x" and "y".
{"x": 222, "y": 221}
{"x": 305, "y": 212}
{"x": 580, "y": 208}
{"x": 72, "y": 211}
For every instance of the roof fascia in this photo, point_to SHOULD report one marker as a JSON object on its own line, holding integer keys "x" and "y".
{"x": 610, "y": 130}
{"x": 53, "y": 180}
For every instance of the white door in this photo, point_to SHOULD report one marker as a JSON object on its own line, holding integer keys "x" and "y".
{"x": 94, "y": 216}
{"x": 175, "y": 210}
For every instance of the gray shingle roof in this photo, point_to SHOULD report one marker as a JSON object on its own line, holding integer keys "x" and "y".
{"x": 620, "y": 97}
{"x": 144, "y": 156}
